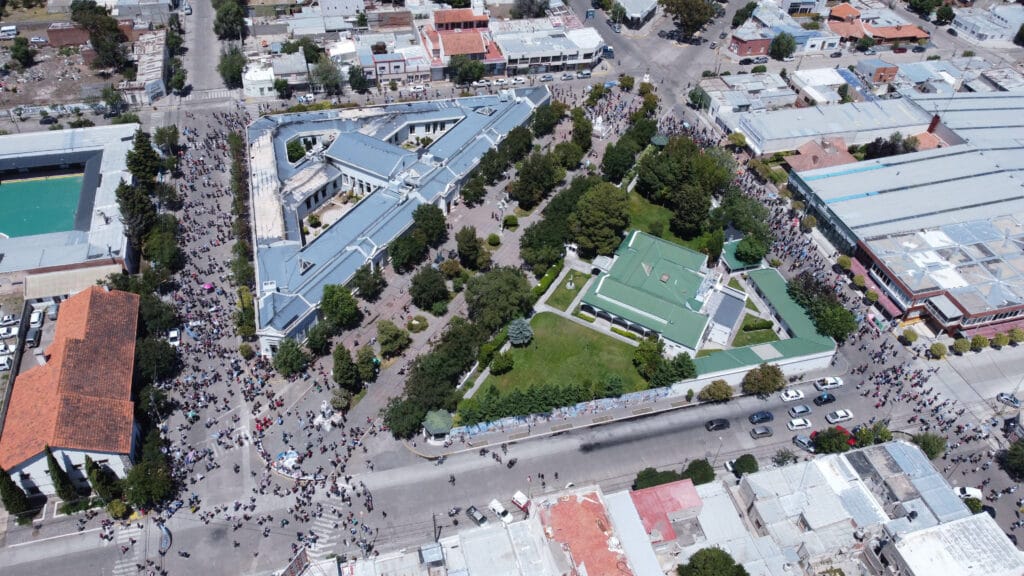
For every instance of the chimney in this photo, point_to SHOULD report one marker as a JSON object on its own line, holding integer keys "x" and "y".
{"x": 933, "y": 124}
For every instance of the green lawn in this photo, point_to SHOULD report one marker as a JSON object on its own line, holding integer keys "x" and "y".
{"x": 707, "y": 352}
{"x": 651, "y": 218}
{"x": 749, "y": 305}
{"x": 734, "y": 283}
{"x": 562, "y": 297}
{"x": 563, "y": 351}
{"x": 749, "y": 337}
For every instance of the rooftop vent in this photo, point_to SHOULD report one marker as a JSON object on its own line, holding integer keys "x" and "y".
{"x": 664, "y": 278}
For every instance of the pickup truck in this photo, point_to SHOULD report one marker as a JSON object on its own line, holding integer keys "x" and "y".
{"x": 519, "y": 500}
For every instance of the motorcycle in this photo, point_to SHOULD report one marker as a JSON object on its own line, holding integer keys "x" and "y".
{"x": 454, "y": 512}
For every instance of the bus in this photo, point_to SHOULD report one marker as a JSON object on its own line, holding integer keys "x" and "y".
{"x": 8, "y": 32}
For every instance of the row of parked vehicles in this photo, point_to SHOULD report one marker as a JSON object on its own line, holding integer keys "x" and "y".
{"x": 798, "y": 414}
{"x": 519, "y": 500}
{"x": 9, "y": 328}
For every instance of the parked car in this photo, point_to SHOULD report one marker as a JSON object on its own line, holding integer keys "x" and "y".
{"x": 547, "y": 78}
{"x": 798, "y": 424}
{"x": 617, "y": 28}
{"x": 36, "y": 319}
{"x": 518, "y": 80}
{"x": 871, "y": 52}
{"x": 6, "y": 363}
{"x": 951, "y": 31}
{"x": 713, "y": 45}
{"x": 48, "y": 120}
{"x": 7, "y": 349}
{"x": 761, "y": 417}
{"x": 481, "y": 83}
{"x": 789, "y": 58}
{"x": 799, "y": 410}
{"x": 567, "y": 76}
{"x": 839, "y": 416}
{"x": 829, "y": 383}
{"x": 723, "y": 36}
{"x": 824, "y": 398}
{"x": 836, "y": 55}
{"x": 8, "y": 320}
{"x": 500, "y": 82}
{"x": 965, "y": 492}
{"x": 500, "y": 511}
{"x": 791, "y": 394}
{"x": 804, "y": 442}
{"x": 918, "y": 49}
{"x": 899, "y": 50}
{"x": 476, "y": 515}
{"x": 761, "y": 432}
{"x": 418, "y": 88}
{"x": 519, "y": 500}
{"x": 716, "y": 424}
{"x": 174, "y": 337}
{"x": 583, "y": 74}
{"x": 37, "y": 40}
{"x": 8, "y": 332}
{"x": 1008, "y": 399}
{"x": 761, "y": 60}
{"x": 746, "y": 61}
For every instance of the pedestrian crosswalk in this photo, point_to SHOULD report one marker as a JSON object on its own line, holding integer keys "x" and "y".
{"x": 327, "y": 536}
{"x": 130, "y": 537}
{"x": 214, "y": 94}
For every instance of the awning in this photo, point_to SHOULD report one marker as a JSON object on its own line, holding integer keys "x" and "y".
{"x": 888, "y": 306}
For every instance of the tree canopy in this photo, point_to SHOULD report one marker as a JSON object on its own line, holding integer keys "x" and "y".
{"x": 104, "y": 35}
{"x": 290, "y": 358}
{"x": 430, "y": 221}
{"x": 765, "y": 379}
{"x": 369, "y": 282}
{"x": 497, "y": 296}
{"x": 601, "y": 216}
{"x": 229, "y": 22}
{"x": 339, "y": 307}
{"x": 428, "y": 287}
{"x": 711, "y": 562}
{"x": 689, "y": 15}
{"x": 464, "y": 70}
{"x": 232, "y": 64}
{"x": 345, "y": 372}
{"x": 782, "y": 46}
{"x": 831, "y": 441}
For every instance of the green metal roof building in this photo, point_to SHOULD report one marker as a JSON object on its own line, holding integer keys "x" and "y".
{"x": 654, "y": 286}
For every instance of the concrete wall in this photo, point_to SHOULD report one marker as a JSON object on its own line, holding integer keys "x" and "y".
{"x": 34, "y": 476}
{"x": 790, "y": 367}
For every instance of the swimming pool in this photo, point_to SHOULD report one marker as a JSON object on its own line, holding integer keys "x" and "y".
{"x": 39, "y": 205}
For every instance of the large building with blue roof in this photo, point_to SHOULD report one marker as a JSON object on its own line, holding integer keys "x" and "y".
{"x": 385, "y": 161}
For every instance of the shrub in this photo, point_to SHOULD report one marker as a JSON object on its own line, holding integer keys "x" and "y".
{"x": 974, "y": 505}
{"x": 979, "y": 343}
{"x": 745, "y": 464}
{"x": 117, "y": 509}
{"x": 1017, "y": 335}
{"x": 775, "y": 262}
{"x": 689, "y": 395}
{"x": 939, "y": 350}
{"x": 519, "y": 332}
{"x": 844, "y": 262}
{"x": 439, "y": 309}
{"x": 417, "y": 324}
{"x": 314, "y": 221}
{"x": 510, "y": 222}
{"x": 961, "y": 345}
{"x": 871, "y": 296}
{"x": 246, "y": 351}
{"x": 717, "y": 391}
{"x": 831, "y": 441}
{"x": 502, "y": 363}
{"x": 757, "y": 324}
{"x": 858, "y": 281}
{"x": 649, "y": 477}
{"x": 765, "y": 379}
{"x": 1000, "y": 340}
{"x": 932, "y": 445}
{"x": 909, "y": 336}
{"x": 699, "y": 471}
{"x": 493, "y": 239}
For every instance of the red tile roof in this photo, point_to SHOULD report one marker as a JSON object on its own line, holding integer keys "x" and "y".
{"x": 81, "y": 399}
{"x": 656, "y": 503}
{"x": 904, "y": 32}
{"x": 462, "y": 42}
{"x": 458, "y": 15}
{"x": 817, "y": 154}
{"x": 579, "y": 523}
{"x": 843, "y": 11}
{"x": 845, "y": 29}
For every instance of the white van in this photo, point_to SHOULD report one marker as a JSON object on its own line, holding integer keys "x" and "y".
{"x": 6, "y": 363}
{"x": 519, "y": 500}
{"x": 8, "y": 32}
{"x": 969, "y": 492}
{"x": 499, "y": 511}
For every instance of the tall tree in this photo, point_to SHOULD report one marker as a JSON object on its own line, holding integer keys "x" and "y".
{"x": 496, "y": 297}
{"x": 104, "y": 35}
{"x": 369, "y": 282}
{"x": 327, "y": 75}
{"x": 601, "y": 216}
{"x": 463, "y": 70}
{"x": 357, "y": 80}
{"x": 232, "y": 64}
{"x": 392, "y": 339}
{"x": 166, "y": 138}
{"x": 538, "y": 176}
{"x": 143, "y": 161}
{"x": 689, "y": 15}
{"x": 290, "y": 358}
{"x": 14, "y": 498}
{"x": 345, "y": 373}
{"x": 339, "y": 307}
{"x": 427, "y": 288}
{"x": 468, "y": 246}
{"x": 61, "y": 481}
{"x": 782, "y": 46}
{"x": 366, "y": 362}
{"x": 430, "y": 221}
{"x": 138, "y": 214}
{"x": 229, "y": 23}
{"x": 711, "y": 562}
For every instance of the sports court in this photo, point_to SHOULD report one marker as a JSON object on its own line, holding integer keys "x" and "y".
{"x": 40, "y": 205}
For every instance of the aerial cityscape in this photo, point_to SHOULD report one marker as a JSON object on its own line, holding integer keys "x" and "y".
{"x": 511, "y": 287}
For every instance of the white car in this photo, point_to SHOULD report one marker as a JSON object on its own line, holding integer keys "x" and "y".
{"x": 174, "y": 337}
{"x": 799, "y": 424}
{"x": 839, "y": 416}
{"x": 791, "y": 394}
{"x": 8, "y": 320}
{"x": 36, "y": 319}
{"x": 500, "y": 82}
{"x": 481, "y": 83}
{"x": 418, "y": 89}
{"x": 8, "y": 332}
{"x": 828, "y": 383}
{"x": 518, "y": 80}
{"x": 500, "y": 511}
